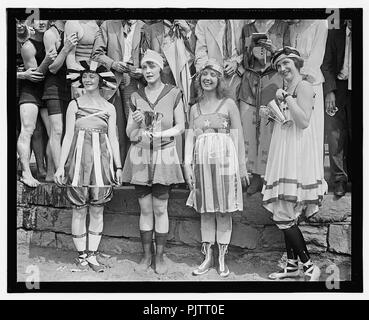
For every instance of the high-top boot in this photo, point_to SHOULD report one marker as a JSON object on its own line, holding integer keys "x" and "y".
{"x": 208, "y": 261}
{"x": 146, "y": 240}
{"x": 160, "y": 265}
{"x": 222, "y": 268}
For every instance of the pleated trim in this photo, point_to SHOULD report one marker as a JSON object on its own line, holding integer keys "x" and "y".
{"x": 293, "y": 181}
{"x": 294, "y": 199}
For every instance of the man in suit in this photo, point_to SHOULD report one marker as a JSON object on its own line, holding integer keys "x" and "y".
{"x": 158, "y": 34}
{"x": 221, "y": 40}
{"x": 117, "y": 47}
{"x": 337, "y": 88}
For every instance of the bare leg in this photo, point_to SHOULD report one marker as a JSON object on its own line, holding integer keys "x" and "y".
{"x": 38, "y": 148}
{"x": 161, "y": 232}
{"x": 28, "y": 115}
{"x": 50, "y": 167}
{"x": 146, "y": 231}
{"x": 56, "y": 131}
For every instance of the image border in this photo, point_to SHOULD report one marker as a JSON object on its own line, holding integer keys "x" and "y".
{"x": 356, "y": 283}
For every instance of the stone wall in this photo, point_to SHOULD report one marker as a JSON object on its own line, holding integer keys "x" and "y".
{"x": 44, "y": 219}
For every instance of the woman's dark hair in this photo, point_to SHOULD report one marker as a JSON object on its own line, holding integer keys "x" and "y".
{"x": 101, "y": 80}
{"x": 221, "y": 89}
{"x": 298, "y": 63}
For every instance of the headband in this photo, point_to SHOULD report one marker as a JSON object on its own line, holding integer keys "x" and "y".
{"x": 286, "y": 52}
{"x": 214, "y": 65}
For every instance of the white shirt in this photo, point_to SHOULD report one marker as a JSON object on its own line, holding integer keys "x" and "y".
{"x": 128, "y": 43}
{"x": 345, "y": 73}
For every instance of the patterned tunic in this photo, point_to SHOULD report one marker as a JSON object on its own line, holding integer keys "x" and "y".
{"x": 217, "y": 185}
{"x": 89, "y": 168}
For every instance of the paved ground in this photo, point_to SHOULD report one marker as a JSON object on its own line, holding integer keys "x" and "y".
{"x": 56, "y": 265}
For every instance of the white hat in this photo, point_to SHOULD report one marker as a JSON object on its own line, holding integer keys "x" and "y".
{"x": 153, "y": 56}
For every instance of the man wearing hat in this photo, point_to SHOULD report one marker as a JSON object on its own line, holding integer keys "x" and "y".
{"x": 117, "y": 47}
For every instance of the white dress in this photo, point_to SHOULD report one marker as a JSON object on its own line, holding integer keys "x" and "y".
{"x": 293, "y": 172}
{"x": 311, "y": 45}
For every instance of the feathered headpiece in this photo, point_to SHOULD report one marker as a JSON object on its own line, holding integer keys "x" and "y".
{"x": 109, "y": 80}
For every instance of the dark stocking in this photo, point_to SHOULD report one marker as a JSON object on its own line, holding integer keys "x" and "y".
{"x": 294, "y": 236}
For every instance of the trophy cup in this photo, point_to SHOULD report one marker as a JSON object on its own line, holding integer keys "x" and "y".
{"x": 274, "y": 111}
{"x": 151, "y": 120}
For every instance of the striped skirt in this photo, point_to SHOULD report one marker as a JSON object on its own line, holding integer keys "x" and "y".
{"x": 90, "y": 160}
{"x": 217, "y": 182}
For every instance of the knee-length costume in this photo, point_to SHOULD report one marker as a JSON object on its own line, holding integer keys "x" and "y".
{"x": 89, "y": 167}
{"x": 217, "y": 182}
{"x": 292, "y": 182}
{"x": 155, "y": 161}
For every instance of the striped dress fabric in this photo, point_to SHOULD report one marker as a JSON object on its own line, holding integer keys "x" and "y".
{"x": 89, "y": 168}
{"x": 217, "y": 182}
{"x": 293, "y": 174}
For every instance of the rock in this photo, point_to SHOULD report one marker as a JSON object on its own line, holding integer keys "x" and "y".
{"x": 24, "y": 236}
{"x": 333, "y": 209}
{"x": 339, "y": 239}
{"x": 315, "y": 235}
{"x": 43, "y": 239}
{"x": 46, "y": 194}
{"x": 119, "y": 245}
{"x": 121, "y": 225}
{"x": 244, "y": 236}
{"x": 272, "y": 238}
{"x": 19, "y": 217}
{"x": 172, "y": 229}
{"x": 124, "y": 201}
{"x": 65, "y": 242}
{"x": 188, "y": 232}
{"x": 178, "y": 208}
{"x": 55, "y": 219}
{"x": 29, "y": 217}
{"x": 253, "y": 212}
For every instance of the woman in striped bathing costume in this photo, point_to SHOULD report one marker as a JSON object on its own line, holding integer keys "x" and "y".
{"x": 293, "y": 184}
{"x": 215, "y": 167}
{"x": 89, "y": 151}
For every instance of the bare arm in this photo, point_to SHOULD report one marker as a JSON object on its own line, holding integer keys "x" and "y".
{"x": 179, "y": 120}
{"x": 189, "y": 146}
{"x": 67, "y": 142}
{"x": 237, "y": 137}
{"x": 50, "y": 41}
{"x": 190, "y": 139}
{"x": 301, "y": 108}
{"x": 112, "y": 133}
{"x": 69, "y": 133}
{"x": 28, "y": 53}
{"x": 71, "y": 27}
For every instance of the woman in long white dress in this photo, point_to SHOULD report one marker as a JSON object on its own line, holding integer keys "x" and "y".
{"x": 309, "y": 37}
{"x": 293, "y": 184}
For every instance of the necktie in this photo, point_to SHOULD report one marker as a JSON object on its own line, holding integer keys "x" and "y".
{"x": 127, "y": 29}
{"x": 227, "y": 40}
